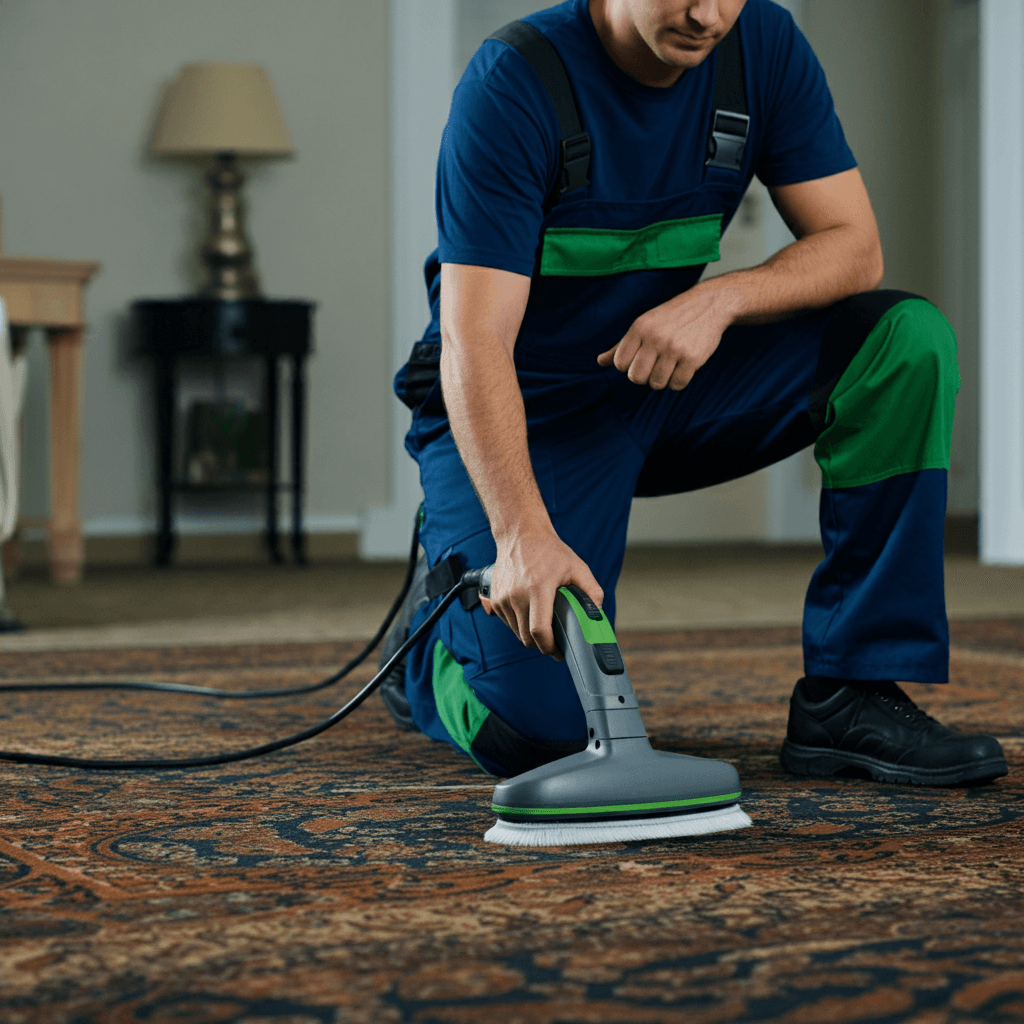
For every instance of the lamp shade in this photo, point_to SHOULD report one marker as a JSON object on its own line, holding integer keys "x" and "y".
{"x": 221, "y": 108}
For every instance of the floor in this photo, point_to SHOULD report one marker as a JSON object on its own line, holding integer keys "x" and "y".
{"x": 347, "y": 879}
{"x": 660, "y": 588}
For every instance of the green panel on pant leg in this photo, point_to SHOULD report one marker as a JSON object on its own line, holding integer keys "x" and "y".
{"x": 458, "y": 706}
{"x": 892, "y": 410}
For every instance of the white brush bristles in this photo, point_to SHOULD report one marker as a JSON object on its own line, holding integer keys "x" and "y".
{"x": 515, "y": 833}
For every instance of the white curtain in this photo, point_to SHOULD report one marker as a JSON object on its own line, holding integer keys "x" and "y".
{"x": 12, "y": 395}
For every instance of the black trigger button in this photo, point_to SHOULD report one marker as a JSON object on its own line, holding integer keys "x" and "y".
{"x": 609, "y": 659}
{"x": 593, "y": 612}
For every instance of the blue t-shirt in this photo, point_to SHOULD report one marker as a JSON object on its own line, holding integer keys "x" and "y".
{"x": 499, "y": 161}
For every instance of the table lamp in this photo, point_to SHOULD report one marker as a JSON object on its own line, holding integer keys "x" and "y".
{"x": 223, "y": 111}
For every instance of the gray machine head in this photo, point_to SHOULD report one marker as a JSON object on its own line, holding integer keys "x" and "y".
{"x": 619, "y": 775}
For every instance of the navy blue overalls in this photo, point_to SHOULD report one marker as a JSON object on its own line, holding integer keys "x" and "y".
{"x": 870, "y": 382}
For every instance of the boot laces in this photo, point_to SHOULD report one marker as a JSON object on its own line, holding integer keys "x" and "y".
{"x": 902, "y": 705}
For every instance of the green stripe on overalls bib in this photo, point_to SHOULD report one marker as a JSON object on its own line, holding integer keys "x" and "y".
{"x": 892, "y": 410}
{"x": 457, "y": 705}
{"x": 595, "y": 252}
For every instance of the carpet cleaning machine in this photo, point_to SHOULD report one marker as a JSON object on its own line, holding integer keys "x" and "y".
{"x": 617, "y": 789}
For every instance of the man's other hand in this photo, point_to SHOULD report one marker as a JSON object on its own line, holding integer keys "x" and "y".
{"x": 527, "y": 573}
{"x": 667, "y": 345}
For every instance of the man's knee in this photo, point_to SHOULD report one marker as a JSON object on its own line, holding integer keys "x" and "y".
{"x": 471, "y": 665}
{"x": 926, "y": 344}
{"x": 508, "y": 719}
{"x": 889, "y": 409}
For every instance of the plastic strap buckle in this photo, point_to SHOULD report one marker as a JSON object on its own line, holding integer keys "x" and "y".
{"x": 444, "y": 576}
{"x": 575, "y": 162}
{"x": 728, "y": 140}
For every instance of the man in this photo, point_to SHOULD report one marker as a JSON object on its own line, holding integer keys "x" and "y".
{"x": 582, "y": 362}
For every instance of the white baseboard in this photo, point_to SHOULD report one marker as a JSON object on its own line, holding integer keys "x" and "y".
{"x": 193, "y": 525}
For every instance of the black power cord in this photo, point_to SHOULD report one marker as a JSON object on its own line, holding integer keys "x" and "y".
{"x": 468, "y": 581}
{"x": 208, "y": 691}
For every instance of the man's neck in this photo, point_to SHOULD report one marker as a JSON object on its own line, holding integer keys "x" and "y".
{"x": 627, "y": 48}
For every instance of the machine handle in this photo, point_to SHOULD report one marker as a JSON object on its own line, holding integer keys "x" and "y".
{"x": 586, "y": 640}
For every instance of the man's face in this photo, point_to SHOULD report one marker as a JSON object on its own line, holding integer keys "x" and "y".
{"x": 681, "y": 33}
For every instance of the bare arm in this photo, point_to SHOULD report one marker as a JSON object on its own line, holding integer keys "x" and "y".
{"x": 837, "y": 254}
{"x": 481, "y": 312}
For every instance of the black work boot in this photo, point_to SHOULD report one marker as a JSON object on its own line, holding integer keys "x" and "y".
{"x": 840, "y": 727}
{"x": 392, "y": 689}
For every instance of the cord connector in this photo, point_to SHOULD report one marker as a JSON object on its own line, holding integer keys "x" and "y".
{"x": 479, "y": 579}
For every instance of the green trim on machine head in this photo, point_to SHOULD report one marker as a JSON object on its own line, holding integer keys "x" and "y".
{"x": 660, "y": 805}
{"x": 595, "y": 631}
{"x": 599, "y": 252}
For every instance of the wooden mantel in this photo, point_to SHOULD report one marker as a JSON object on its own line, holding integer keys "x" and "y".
{"x": 47, "y": 293}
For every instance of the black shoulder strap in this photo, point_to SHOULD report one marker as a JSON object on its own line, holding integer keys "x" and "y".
{"x": 730, "y": 123}
{"x": 544, "y": 59}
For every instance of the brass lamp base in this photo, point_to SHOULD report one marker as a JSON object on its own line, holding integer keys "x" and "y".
{"x": 226, "y": 252}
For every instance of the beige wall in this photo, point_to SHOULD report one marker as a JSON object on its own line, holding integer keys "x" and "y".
{"x": 879, "y": 59}
{"x": 904, "y": 77}
{"x": 79, "y": 83}
{"x": 78, "y": 87}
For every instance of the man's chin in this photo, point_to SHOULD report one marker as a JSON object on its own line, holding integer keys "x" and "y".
{"x": 684, "y": 57}
{"x": 680, "y": 52}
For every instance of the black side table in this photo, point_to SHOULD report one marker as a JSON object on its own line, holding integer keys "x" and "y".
{"x": 171, "y": 329}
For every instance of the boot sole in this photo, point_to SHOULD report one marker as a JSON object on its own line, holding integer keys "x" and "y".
{"x": 823, "y": 763}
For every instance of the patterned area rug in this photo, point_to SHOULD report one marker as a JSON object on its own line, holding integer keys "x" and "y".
{"x": 347, "y": 879}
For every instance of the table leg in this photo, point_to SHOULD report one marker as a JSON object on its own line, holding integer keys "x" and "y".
{"x": 273, "y": 541}
{"x": 66, "y": 550}
{"x": 298, "y": 466}
{"x": 164, "y": 379}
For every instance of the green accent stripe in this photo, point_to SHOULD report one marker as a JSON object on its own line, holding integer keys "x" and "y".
{"x": 594, "y": 632}
{"x": 660, "y": 805}
{"x": 892, "y": 410}
{"x": 595, "y": 252}
{"x": 458, "y": 706}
